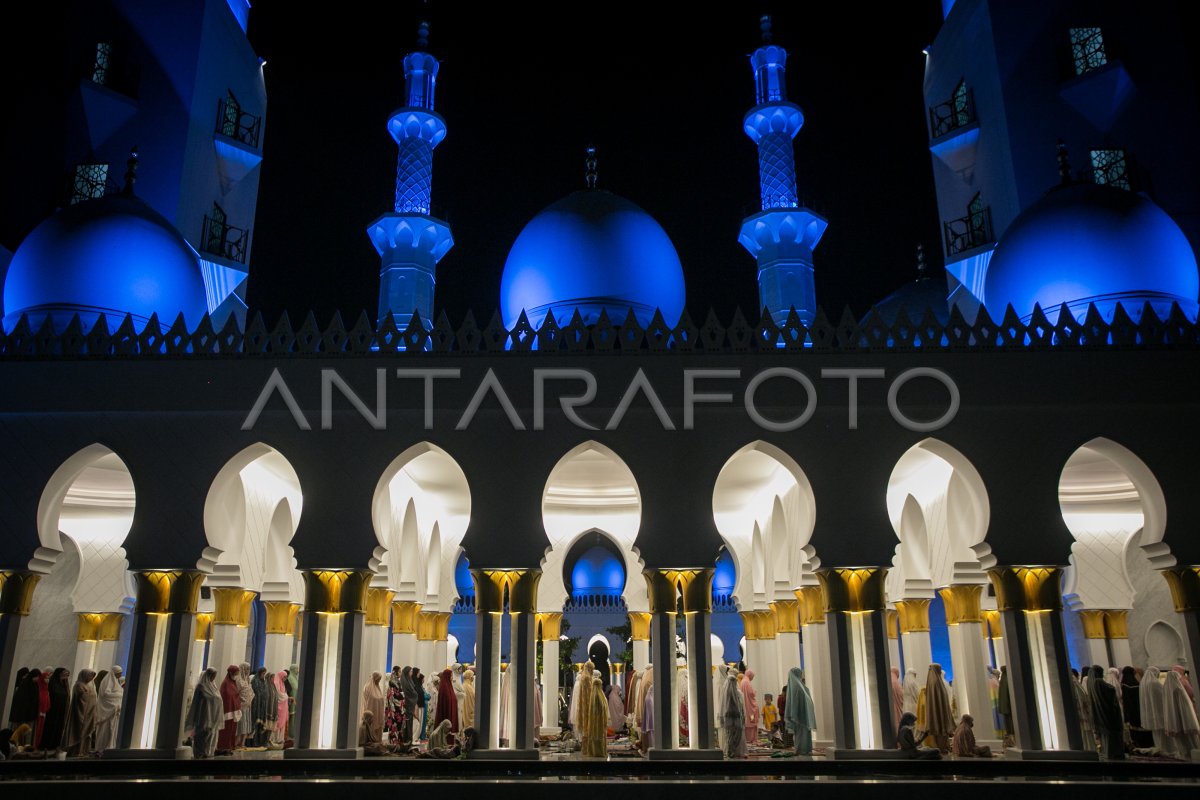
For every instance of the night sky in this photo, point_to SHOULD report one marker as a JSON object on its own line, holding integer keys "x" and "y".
{"x": 525, "y": 88}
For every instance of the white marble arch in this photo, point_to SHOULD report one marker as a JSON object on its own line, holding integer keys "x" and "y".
{"x": 591, "y": 489}
{"x": 420, "y": 511}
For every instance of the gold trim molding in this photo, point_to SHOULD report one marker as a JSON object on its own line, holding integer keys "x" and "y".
{"x": 1116, "y": 623}
{"x": 89, "y": 627}
{"x": 231, "y": 606}
{"x": 1185, "y": 587}
{"x": 914, "y": 615}
{"x": 812, "y": 605}
{"x": 962, "y": 603}
{"x": 551, "y": 625}
{"x": 787, "y": 616}
{"x": 639, "y": 626}
{"x": 490, "y": 586}
{"x": 404, "y": 616}
{"x": 281, "y": 617}
{"x": 1093, "y": 623}
{"x": 336, "y": 591}
{"x": 379, "y": 606}
{"x": 852, "y": 588}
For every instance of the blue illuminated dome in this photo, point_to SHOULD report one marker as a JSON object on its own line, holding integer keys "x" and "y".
{"x": 112, "y": 256}
{"x": 598, "y": 571}
{"x": 593, "y": 251}
{"x": 1084, "y": 244}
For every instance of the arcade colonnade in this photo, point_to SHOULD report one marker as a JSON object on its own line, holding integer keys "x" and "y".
{"x": 845, "y": 624}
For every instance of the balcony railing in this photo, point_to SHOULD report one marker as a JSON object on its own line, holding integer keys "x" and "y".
{"x": 957, "y": 112}
{"x": 222, "y": 239}
{"x": 967, "y": 233}
{"x": 90, "y": 182}
{"x": 235, "y": 123}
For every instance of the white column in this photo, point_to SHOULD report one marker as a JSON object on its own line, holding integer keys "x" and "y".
{"x": 1121, "y": 653}
{"x": 788, "y": 645}
{"x": 641, "y": 653}
{"x": 766, "y": 671}
{"x": 441, "y": 654}
{"x": 85, "y": 658}
{"x": 106, "y": 655}
{"x": 918, "y": 653}
{"x": 971, "y": 678}
{"x": 894, "y": 652}
{"x": 228, "y": 647}
{"x": 550, "y": 687}
{"x": 816, "y": 673}
{"x": 1097, "y": 652}
{"x": 404, "y": 649}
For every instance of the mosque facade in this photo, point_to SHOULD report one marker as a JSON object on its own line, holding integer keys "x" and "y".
{"x": 991, "y": 469}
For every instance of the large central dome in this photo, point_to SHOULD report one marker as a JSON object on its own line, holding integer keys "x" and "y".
{"x": 593, "y": 251}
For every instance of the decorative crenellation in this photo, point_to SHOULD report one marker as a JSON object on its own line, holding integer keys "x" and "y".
{"x": 850, "y": 334}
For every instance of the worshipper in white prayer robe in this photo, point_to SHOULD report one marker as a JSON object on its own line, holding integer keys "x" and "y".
{"x": 1181, "y": 730}
{"x": 912, "y": 692}
{"x": 1153, "y": 707}
{"x": 108, "y": 709}
{"x": 206, "y": 716}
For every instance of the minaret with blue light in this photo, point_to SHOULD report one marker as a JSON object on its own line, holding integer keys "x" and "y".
{"x": 410, "y": 240}
{"x": 781, "y": 236}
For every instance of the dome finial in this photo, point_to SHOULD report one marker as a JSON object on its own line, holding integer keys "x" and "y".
{"x": 921, "y": 266}
{"x": 1064, "y": 163}
{"x": 764, "y": 24}
{"x": 131, "y": 171}
{"x": 590, "y": 163}
{"x": 422, "y": 35}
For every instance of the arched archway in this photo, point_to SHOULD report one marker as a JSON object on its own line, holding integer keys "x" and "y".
{"x": 1115, "y": 509}
{"x": 84, "y": 514}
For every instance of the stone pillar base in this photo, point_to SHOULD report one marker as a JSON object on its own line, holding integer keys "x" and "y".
{"x": 501, "y": 754}
{"x": 154, "y": 754}
{"x": 324, "y": 755}
{"x": 685, "y": 754}
{"x": 1018, "y": 754}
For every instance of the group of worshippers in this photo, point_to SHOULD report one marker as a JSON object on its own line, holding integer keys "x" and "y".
{"x": 247, "y": 709}
{"x": 740, "y": 718}
{"x": 1148, "y": 712}
{"x": 927, "y": 728}
{"x": 50, "y": 715}
{"x": 400, "y": 714}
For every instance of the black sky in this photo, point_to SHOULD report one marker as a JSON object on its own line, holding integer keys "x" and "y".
{"x": 525, "y": 87}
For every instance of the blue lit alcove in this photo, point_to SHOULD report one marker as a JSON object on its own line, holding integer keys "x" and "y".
{"x": 726, "y": 622}
{"x": 939, "y": 637}
{"x": 462, "y": 621}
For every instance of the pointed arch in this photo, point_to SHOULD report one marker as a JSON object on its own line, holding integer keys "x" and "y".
{"x": 93, "y": 493}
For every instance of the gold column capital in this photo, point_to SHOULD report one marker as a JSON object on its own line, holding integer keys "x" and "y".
{"x": 812, "y": 605}
{"x": 16, "y": 591}
{"x": 1116, "y": 623}
{"x": 1093, "y": 623}
{"x": 618, "y": 668}
{"x": 962, "y": 603}
{"x": 89, "y": 627}
{"x": 404, "y": 616}
{"x": 914, "y": 615}
{"x": 169, "y": 591}
{"x": 766, "y": 624}
{"x": 203, "y": 626}
{"x": 441, "y": 626}
{"x": 281, "y": 616}
{"x": 551, "y": 625}
{"x": 787, "y": 616}
{"x": 639, "y": 626}
{"x": 232, "y": 606}
{"x": 891, "y": 617}
{"x": 695, "y": 586}
{"x": 110, "y": 626}
{"x": 992, "y": 628}
{"x": 336, "y": 591}
{"x": 427, "y": 626}
{"x": 852, "y": 588}
{"x": 1185, "y": 587}
{"x": 490, "y": 586}
{"x": 379, "y": 606}
{"x": 749, "y": 624}
{"x": 1027, "y": 588}
{"x": 661, "y": 591}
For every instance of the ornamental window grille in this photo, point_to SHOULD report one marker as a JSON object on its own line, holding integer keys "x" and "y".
{"x": 1111, "y": 167}
{"x": 970, "y": 231}
{"x": 222, "y": 239}
{"x": 236, "y": 123}
{"x": 955, "y": 113}
{"x": 102, "y": 63}
{"x": 1087, "y": 49}
{"x": 89, "y": 182}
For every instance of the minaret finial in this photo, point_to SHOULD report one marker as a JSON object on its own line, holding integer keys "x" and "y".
{"x": 1064, "y": 163}
{"x": 131, "y": 171}
{"x": 921, "y": 266}
{"x": 764, "y": 24}
{"x": 422, "y": 35}
{"x": 590, "y": 163}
